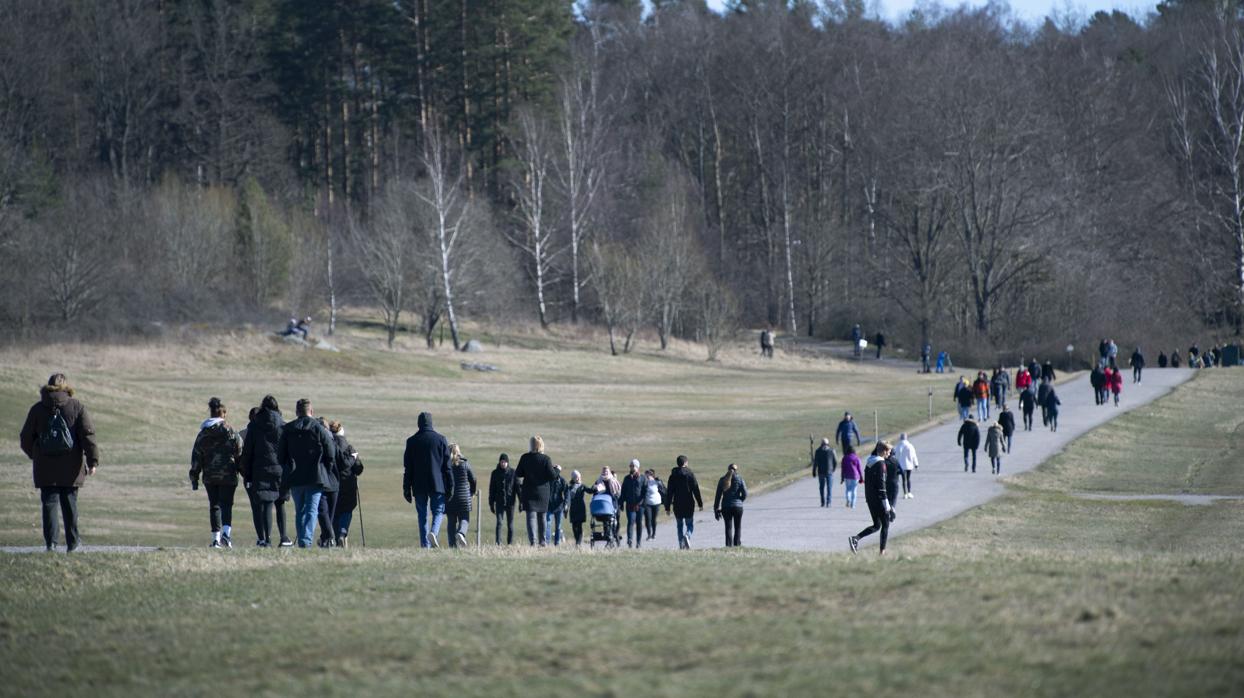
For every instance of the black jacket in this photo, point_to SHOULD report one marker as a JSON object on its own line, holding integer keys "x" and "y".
{"x": 308, "y": 453}
{"x": 969, "y": 435}
{"x": 633, "y": 491}
{"x": 1138, "y": 359}
{"x": 1052, "y": 402}
{"x": 1047, "y": 371}
{"x": 893, "y": 478}
{"x": 427, "y": 461}
{"x": 684, "y": 493}
{"x": 824, "y": 462}
{"x": 459, "y": 502}
{"x": 1043, "y": 393}
{"x": 349, "y": 465}
{"x": 1027, "y": 400}
{"x": 259, "y": 464}
{"x": 557, "y": 494}
{"x": 1006, "y": 420}
{"x": 537, "y": 473}
{"x": 874, "y": 482}
{"x": 574, "y": 498}
{"x": 731, "y": 497}
{"x": 1097, "y": 378}
{"x": 963, "y": 395}
{"x": 501, "y": 491}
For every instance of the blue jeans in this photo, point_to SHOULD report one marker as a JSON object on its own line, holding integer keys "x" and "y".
{"x": 685, "y": 528}
{"x": 851, "y": 485}
{"x": 635, "y": 520}
{"x": 964, "y": 412}
{"x": 553, "y": 527}
{"x": 999, "y": 397}
{"x": 343, "y": 522}
{"x": 982, "y": 408}
{"x": 827, "y": 489}
{"x": 424, "y": 501}
{"x": 307, "y": 512}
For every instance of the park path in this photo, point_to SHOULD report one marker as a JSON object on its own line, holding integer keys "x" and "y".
{"x": 791, "y": 518}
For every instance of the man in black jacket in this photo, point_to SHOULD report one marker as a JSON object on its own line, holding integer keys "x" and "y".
{"x": 501, "y": 496}
{"x": 1027, "y": 404}
{"x": 875, "y": 495}
{"x": 824, "y": 463}
{"x": 306, "y": 451}
{"x": 1006, "y": 420}
{"x": 1043, "y": 394}
{"x": 427, "y": 478}
{"x": 970, "y": 440}
{"x": 632, "y": 500}
{"x": 684, "y": 497}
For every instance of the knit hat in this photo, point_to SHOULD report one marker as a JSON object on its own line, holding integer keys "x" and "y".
{"x": 503, "y": 457}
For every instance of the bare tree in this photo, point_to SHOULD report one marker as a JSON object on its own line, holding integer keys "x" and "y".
{"x": 447, "y": 217}
{"x": 383, "y": 247}
{"x": 617, "y": 280}
{"x": 669, "y": 241}
{"x": 534, "y": 235}
{"x": 718, "y": 319}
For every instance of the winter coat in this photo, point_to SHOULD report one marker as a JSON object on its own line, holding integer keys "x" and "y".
{"x": 632, "y": 495}
{"x": 1034, "y": 370}
{"x": 1006, "y": 420}
{"x": 349, "y": 467}
{"x": 1000, "y": 382}
{"x": 260, "y": 465}
{"x": 574, "y": 498}
{"x": 1044, "y": 392}
{"x": 501, "y": 490}
{"x": 847, "y": 429}
{"x": 963, "y": 395}
{"x": 65, "y": 469}
{"x": 1097, "y": 378}
{"x": 879, "y": 340}
{"x": 307, "y": 451}
{"x": 426, "y": 461}
{"x": 1023, "y": 379}
{"x": 995, "y": 441}
{"x": 458, "y": 502}
{"x": 1028, "y": 401}
{"x": 969, "y": 435}
{"x": 1138, "y": 359}
{"x": 1162, "y": 359}
{"x": 654, "y": 491}
{"x": 332, "y": 474}
{"x": 684, "y": 493}
{"x": 1047, "y": 371}
{"x": 981, "y": 389}
{"x": 851, "y": 469}
{"x": 905, "y": 454}
{"x": 215, "y": 455}
{"x": 1116, "y": 382}
{"x": 729, "y": 497}
{"x": 537, "y": 473}
{"x": 824, "y": 462}
{"x": 557, "y": 495}
{"x": 893, "y": 478}
{"x": 1052, "y": 402}
{"x": 874, "y": 482}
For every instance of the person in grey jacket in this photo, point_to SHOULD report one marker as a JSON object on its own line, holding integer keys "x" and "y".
{"x": 632, "y": 500}
{"x": 728, "y": 503}
{"x": 307, "y": 452}
{"x": 824, "y": 463}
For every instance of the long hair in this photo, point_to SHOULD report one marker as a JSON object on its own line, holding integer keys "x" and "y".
{"x": 729, "y": 478}
{"x": 455, "y": 454}
{"x": 537, "y": 444}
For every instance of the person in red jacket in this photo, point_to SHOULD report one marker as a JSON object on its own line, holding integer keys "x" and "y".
{"x": 1114, "y": 378}
{"x": 1023, "y": 379}
{"x": 981, "y": 390}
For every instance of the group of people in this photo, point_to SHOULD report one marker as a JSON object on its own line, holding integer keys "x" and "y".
{"x": 1196, "y": 358}
{"x": 1035, "y": 383}
{"x": 297, "y": 328}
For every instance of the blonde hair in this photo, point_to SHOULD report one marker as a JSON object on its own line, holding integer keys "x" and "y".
{"x": 455, "y": 454}
{"x": 334, "y": 426}
{"x": 537, "y": 444}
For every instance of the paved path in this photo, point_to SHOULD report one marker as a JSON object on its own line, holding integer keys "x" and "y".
{"x": 791, "y": 518}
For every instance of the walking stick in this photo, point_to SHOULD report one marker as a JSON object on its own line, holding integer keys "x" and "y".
{"x": 362, "y": 531}
{"x": 479, "y": 522}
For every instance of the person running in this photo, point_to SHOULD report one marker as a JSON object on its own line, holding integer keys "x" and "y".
{"x": 980, "y": 390}
{"x": 1162, "y": 361}
{"x": 1051, "y": 405}
{"x": 654, "y": 496}
{"x": 577, "y": 508}
{"x": 970, "y": 440}
{"x": 875, "y": 497}
{"x": 995, "y": 446}
{"x": 263, "y": 473}
{"x": 1043, "y": 394}
{"x": 1027, "y": 405}
{"x": 905, "y": 453}
{"x": 308, "y": 452}
{"x": 349, "y": 467}
{"x": 852, "y": 473}
{"x": 458, "y": 504}
{"x": 535, "y": 475}
{"x": 963, "y": 397}
{"x": 427, "y": 478}
{"x": 214, "y": 458}
{"x": 557, "y": 505}
{"x": 879, "y": 340}
{"x": 684, "y": 498}
{"x": 632, "y": 500}
{"x": 501, "y": 497}
{"x": 728, "y": 504}
{"x": 328, "y": 496}
{"x": 1000, "y": 383}
{"x": 1116, "y": 385}
{"x": 1006, "y": 420}
{"x": 824, "y": 463}
{"x": 847, "y": 429}
{"x": 1137, "y": 362}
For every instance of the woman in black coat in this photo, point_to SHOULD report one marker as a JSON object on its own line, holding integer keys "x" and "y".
{"x": 728, "y": 503}
{"x": 535, "y": 476}
{"x": 328, "y": 497}
{"x": 578, "y": 508}
{"x": 349, "y": 467}
{"x": 458, "y": 508}
{"x": 262, "y": 472}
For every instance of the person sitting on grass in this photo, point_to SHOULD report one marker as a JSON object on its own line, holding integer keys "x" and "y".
{"x": 214, "y": 458}
{"x": 875, "y": 496}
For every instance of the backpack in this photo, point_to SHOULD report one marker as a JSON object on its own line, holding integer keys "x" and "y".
{"x": 57, "y": 438}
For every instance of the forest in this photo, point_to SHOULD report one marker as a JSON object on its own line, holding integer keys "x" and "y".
{"x": 657, "y": 171}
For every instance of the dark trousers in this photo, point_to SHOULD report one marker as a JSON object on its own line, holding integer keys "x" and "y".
{"x": 262, "y": 514}
{"x": 650, "y": 519}
{"x": 1027, "y": 421}
{"x": 65, "y": 499}
{"x": 220, "y": 505}
{"x": 535, "y": 526}
{"x": 907, "y": 481}
{"x": 327, "y": 515}
{"x": 966, "y": 451}
{"x": 826, "y": 487}
{"x": 995, "y": 464}
{"x": 1136, "y": 373}
{"x": 577, "y": 526}
{"x": 634, "y": 520}
{"x": 505, "y": 514}
{"x": 734, "y": 526}
{"x": 458, "y": 523}
{"x": 881, "y": 522}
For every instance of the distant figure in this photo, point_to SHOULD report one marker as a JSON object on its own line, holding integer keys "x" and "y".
{"x": 970, "y": 440}
{"x": 427, "y": 478}
{"x": 577, "y": 507}
{"x": 856, "y": 335}
{"x": 1006, "y": 420}
{"x": 766, "y": 343}
{"x": 557, "y": 506}
{"x": 905, "y": 452}
{"x": 1043, "y": 394}
{"x": 59, "y": 439}
{"x": 308, "y": 452}
{"x": 926, "y": 354}
{"x": 502, "y": 493}
{"x": 1051, "y": 407}
{"x": 1027, "y": 404}
{"x": 1194, "y": 356}
{"x": 654, "y": 496}
{"x": 1023, "y": 379}
{"x": 943, "y": 362}
{"x": 304, "y": 327}
{"x": 291, "y": 328}
{"x": 824, "y": 463}
{"x": 535, "y": 475}
{"x": 1034, "y": 370}
{"x": 1162, "y": 362}
{"x": 349, "y": 467}
{"x": 1097, "y": 380}
{"x": 728, "y": 504}
{"x": 684, "y": 497}
{"x": 980, "y": 390}
{"x": 1175, "y": 359}
{"x": 875, "y": 496}
{"x": 1000, "y": 383}
{"x": 632, "y": 501}
{"x": 964, "y": 397}
{"x": 1116, "y": 385}
{"x": 879, "y": 340}
{"x": 1047, "y": 371}
{"x": 214, "y": 458}
{"x": 458, "y": 506}
{"x": 852, "y": 473}
{"x": 846, "y": 429}
{"x": 995, "y": 446}
{"x": 1137, "y": 363}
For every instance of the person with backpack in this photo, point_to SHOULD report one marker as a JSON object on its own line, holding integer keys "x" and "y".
{"x": 995, "y": 446}
{"x": 654, "y": 497}
{"x": 632, "y": 500}
{"x": 557, "y": 504}
{"x": 1043, "y": 394}
{"x": 349, "y": 467}
{"x": 824, "y": 463}
{"x": 1000, "y": 384}
{"x": 905, "y": 454}
{"x": 1052, "y": 404}
{"x": 684, "y": 497}
{"x": 1006, "y": 420}
{"x": 214, "y": 458}
{"x": 852, "y": 473}
{"x": 263, "y": 473}
{"x": 59, "y": 439}
{"x": 427, "y": 478}
{"x": 980, "y": 390}
{"x": 535, "y": 475}
{"x": 1027, "y": 405}
{"x": 970, "y": 440}
{"x": 728, "y": 503}
{"x": 458, "y": 506}
{"x": 328, "y": 495}
{"x": 501, "y": 497}
{"x": 577, "y": 508}
{"x": 308, "y": 453}
{"x": 964, "y": 397}
{"x": 1137, "y": 362}
{"x": 875, "y": 496}
{"x": 847, "y": 429}
{"x": 1115, "y": 381}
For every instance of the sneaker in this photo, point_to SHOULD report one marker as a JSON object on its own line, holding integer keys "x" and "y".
{"x": 854, "y": 543}
{"x": 226, "y": 542}
{"x": 434, "y": 543}
{"x": 911, "y": 495}
{"x": 215, "y": 544}
{"x": 461, "y": 538}
{"x": 286, "y": 543}
{"x": 261, "y": 543}
{"x": 341, "y": 543}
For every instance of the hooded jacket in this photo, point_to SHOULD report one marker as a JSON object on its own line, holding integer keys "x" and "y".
{"x": 215, "y": 455}
{"x": 905, "y": 454}
{"x": 307, "y": 451}
{"x": 969, "y": 435}
{"x": 874, "y": 482}
{"x": 65, "y": 469}
{"x": 259, "y": 464}
{"x": 684, "y": 493}
{"x": 426, "y": 461}
{"x": 1006, "y": 420}
{"x": 995, "y": 443}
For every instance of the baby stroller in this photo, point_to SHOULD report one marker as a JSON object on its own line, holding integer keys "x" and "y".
{"x": 605, "y": 512}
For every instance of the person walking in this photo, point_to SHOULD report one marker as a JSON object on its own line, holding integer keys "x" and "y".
{"x": 1162, "y": 361}
{"x": 875, "y": 497}
{"x": 1051, "y": 405}
{"x": 728, "y": 504}
{"x": 684, "y": 498}
{"x": 964, "y": 397}
{"x": 846, "y": 430}
{"x": 534, "y": 475}
{"x": 856, "y": 335}
{"x": 632, "y": 500}
{"x": 980, "y": 390}
{"x": 1043, "y": 394}
{"x": 458, "y": 504}
{"x": 1137, "y": 362}
{"x": 995, "y": 446}
{"x": 893, "y": 479}
{"x": 852, "y": 473}
{"x": 328, "y": 495}
{"x": 1023, "y": 379}
{"x": 1116, "y": 384}
{"x": 654, "y": 497}
{"x": 824, "y": 463}
{"x": 970, "y": 440}
{"x": 1175, "y": 359}
{"x": 1000, "y": 383}
{"x": 905, "y": 453}
{"x": 349, "y": 467}
{"x": 1006, "y": 420}
{"x": 264, "y": 473}
{"x": 557, "y": 504}
{"x": 308, "y": 453}
{"x": 1047, "y": 371}
{"x": 926, "y": 353}
{"x": 576, "y": 507}
{"x": 880, "y": 342}
{"x": 59, "y": 439}
{"x": 214, "y": 459}
{"x": 501, "y": 497}
{"x": 1027, "y": 405}
{"x": 427, "y": 478}
{"x": 1097, "y": 379}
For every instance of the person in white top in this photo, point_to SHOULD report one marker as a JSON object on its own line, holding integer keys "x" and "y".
{"x": 905, "y": 452}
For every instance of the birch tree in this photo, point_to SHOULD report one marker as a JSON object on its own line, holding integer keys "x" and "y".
{"x": 533, "y": 233}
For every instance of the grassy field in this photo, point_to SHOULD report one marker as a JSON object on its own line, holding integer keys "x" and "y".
{"x": 592, "y": 410}
{"x": 1036, "y": 593}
